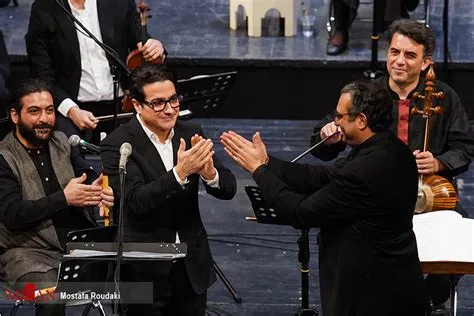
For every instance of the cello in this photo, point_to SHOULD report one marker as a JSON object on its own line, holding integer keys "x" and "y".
{"x": 135, "y": 59}
{"x": 435, "y": 193}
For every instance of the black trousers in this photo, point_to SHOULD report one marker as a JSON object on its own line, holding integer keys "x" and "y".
{"x": 178, "y": 298}
{"x": 387, "y": 11}
{"x": 47, "y": 279}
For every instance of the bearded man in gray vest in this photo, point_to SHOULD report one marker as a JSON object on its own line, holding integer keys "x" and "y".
{"x": 45, "y": 193}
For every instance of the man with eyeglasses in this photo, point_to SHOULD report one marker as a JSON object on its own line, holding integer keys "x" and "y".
{"x": 168, "y": 159}
{"x": 409, "y": 53}
{"x": 368, "y": 260}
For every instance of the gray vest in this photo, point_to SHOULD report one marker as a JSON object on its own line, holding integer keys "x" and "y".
{"x": 38, "y": 249}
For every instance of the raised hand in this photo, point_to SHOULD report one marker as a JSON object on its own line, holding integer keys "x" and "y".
{"x": 208, "y": 171}
{"x": 193, "y": 160}
{"x": 79, "y": 194}
{"x": 247, "y": 154}
{"x": 328, "y": 130}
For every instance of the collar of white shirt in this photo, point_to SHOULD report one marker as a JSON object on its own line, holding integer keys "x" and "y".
{"x": 152, "y": 135}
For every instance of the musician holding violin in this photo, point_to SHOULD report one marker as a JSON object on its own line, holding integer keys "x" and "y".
{"x": 449, "y": 148}
{"x": 75, "y": 65}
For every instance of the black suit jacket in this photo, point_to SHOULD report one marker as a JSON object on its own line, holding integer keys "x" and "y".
{"x": 53, "y": 47}
{"x": 364, "y": 205}
{"x": 156, "y": 206}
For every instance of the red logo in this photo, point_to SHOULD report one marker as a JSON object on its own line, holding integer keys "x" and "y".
{"x": 29, "y": 293}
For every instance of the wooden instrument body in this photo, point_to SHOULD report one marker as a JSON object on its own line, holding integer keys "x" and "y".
{"x": 435, "y": 193}
{"x": 135, "y": 58}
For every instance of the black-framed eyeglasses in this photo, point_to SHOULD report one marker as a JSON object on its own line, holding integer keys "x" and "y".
{"x": 159, "y": 104}
{"x": 338, "y": 116}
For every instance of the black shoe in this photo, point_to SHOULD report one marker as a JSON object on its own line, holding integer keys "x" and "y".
{"x": 337, "y": 49}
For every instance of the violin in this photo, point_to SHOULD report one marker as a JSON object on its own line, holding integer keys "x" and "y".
{"x": 135, "y": 59}
{"x": 435, "y": 193}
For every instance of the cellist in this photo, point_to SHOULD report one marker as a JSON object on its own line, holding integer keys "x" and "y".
{"x": 78, "y": 69}
{"x": 409, "y": 53}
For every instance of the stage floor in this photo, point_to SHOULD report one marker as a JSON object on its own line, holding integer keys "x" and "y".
{"x": 199, "y": 30}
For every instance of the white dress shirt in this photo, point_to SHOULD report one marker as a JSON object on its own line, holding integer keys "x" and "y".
{"x": 165, "y": 150}
{"x": 96, "y": 82}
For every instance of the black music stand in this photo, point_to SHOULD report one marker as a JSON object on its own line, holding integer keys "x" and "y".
{"x": 90, "y": 251}
{"x": 205, "y": 94}
{"x": 266, "y": 215}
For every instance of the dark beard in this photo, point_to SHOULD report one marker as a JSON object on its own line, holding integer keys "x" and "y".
{"x": 30, "y": 135}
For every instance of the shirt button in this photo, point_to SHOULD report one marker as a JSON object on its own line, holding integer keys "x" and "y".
{"x": 47, "y": 179}
{"x": 38, "y": 152}
{"x": 42, "y": 164}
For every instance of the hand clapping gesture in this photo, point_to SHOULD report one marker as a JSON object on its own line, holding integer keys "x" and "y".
{"x": 194, "y": 159}
{"x": 247, "y": 154}
{"x": 208, "y": 172}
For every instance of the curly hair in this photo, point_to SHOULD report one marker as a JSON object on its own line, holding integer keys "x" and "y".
{"x": 149, "y": 74}
{"x": 416, "y": 31}
{"x": 373, "y": 101}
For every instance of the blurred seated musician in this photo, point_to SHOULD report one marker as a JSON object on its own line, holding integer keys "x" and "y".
{"x": 45, "y": 192}
{"x": 345, "y": 11}
{"x": 78, "y": 69}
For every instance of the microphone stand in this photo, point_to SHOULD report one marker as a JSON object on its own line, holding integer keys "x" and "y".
{"x": 303, "y": 251}
{"x": 118, "y": 262}
{"x": 116, "y": 64}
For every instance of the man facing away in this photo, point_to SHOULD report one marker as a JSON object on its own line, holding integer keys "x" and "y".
{"x": 368, "y": 259}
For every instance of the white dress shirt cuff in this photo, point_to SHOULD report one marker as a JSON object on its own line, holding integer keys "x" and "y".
{"x": 214, "y": 183}
{"x": 66, "y": 105}
{"x": 181, "y": 182}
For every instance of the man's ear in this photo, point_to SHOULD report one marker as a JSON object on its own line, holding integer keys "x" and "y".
{"x": 14, "y": 116}
{"x": 427, "y": 60}
{"x": 361, "y": 121}
{"x": 137, "y": 105}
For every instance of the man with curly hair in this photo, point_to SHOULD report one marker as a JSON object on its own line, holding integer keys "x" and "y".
{"x": 368, "y": 259}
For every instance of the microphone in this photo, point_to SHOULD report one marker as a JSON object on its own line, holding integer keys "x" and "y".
{"x": 125, "y": 151}
{"x": 75, "y": 140}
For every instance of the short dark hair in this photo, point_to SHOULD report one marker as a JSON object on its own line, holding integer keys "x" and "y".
{"x": 27, "y": 87}
{"x": 149, "y": 74}
{"x": 372, "y": 100}
{"x": 416, "y": 31}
